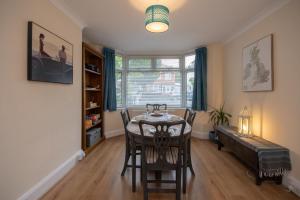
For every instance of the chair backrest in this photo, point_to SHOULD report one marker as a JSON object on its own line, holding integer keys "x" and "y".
{"x": 163, "y": 140}
{"x": 126, "y": 119}
{"x": 189, "y": 116}
{"x": 156, "y": 107}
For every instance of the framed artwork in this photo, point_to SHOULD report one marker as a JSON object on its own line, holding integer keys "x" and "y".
{"x": 257, "y": 66}
{"x": 50, "y": 57}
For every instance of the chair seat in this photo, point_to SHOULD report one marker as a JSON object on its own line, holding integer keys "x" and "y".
{"x": 152, "y": 155}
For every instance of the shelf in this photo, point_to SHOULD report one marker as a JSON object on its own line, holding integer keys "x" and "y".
{"x": 92, "y": 72}
{"x": 92, "y": 90}
{"x": 96, "y": 124}
{"x": 92, "y": 108}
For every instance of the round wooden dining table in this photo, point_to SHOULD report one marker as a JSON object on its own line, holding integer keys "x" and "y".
{"x": 136, "y": 138}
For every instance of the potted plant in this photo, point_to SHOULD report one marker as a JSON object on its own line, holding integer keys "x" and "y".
{"x": 218, "y": 117}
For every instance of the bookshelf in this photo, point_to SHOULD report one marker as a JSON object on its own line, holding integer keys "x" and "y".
{"x": 92, "y": 98}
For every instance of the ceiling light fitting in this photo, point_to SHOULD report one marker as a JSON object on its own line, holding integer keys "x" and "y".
{"x": 157, "y": 18}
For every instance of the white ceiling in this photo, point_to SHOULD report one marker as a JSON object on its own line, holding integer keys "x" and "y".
{"x": 119, "y": 24}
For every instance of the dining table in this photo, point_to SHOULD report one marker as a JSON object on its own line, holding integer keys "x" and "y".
{"x": 136, "y": 138}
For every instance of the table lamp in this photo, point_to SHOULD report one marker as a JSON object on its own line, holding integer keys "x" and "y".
{"x": 244, "y": 124}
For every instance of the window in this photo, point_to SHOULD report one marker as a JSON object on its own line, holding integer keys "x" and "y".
{"x": 119, "y": 69}
{"x": 189, "y": 71}
{"x": 151, "y": 87}
{"x": 167, "y": 63}
{"x": 142, "y": 80}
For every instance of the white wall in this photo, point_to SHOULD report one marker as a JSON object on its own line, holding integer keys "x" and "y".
{"x": 40, "y": 123}
{"x": 276, "y": 114}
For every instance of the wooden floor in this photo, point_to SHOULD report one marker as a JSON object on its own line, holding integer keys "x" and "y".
{"x": 218, "y": 176}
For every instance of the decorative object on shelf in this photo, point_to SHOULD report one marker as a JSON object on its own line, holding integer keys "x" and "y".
{"x": 50, "y": 58}
{"x": 94, "y": 118}
{"x": 245, "y": 123}
{"x": 88, "y": 123}
{"x": 92, "y": 67}
{"x": 257, "y": 66}
{"x": 218, "y": 117}
{"x": 93, "y": 104}
{"x": 157, "y": 18}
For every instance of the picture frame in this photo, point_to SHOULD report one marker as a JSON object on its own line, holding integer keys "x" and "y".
{"x": 257, "y": 65}
{"x": 49, "y": 57}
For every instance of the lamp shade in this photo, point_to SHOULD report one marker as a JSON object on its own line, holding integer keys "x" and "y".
{"x": 157, "y": 18}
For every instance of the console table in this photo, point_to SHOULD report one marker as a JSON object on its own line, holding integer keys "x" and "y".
{"x": 266, "y": 159}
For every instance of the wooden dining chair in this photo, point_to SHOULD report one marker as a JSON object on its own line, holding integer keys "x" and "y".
{"x": 128, "y": 148}
{"x": 156, "y": 107}
{"x": 162, "y": 153}
{"x": 189, "y": 117}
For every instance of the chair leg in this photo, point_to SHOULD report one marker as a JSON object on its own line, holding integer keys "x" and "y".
{"x": 190, "y": 165}
{"x": 141, "y": 164}
{"x": 145, "y": 184}
{"x": 178, "y": 183}
{"x": 127, "y": 156}
{"x": 191, "y": 168}
{"x": 184, "y": 169}
{"x": 133, "y": 157}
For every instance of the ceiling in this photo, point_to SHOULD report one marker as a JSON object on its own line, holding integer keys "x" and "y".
{"x": 119, "y": 24}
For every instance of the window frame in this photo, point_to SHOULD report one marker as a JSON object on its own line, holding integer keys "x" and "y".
{"x": 125, "y": 71}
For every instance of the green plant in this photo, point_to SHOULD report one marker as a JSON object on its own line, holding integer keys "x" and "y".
{"x": 219, "y": 117}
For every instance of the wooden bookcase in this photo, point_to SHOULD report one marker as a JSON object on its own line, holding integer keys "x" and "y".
{"x": 92, "y": 91}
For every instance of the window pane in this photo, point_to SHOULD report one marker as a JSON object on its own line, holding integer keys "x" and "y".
{"x": 153, "y": 87}
{"x": 167, "y": 63}
{"x": 119, "y": 88}
{"x": 190, "y": 61}
{"x": 118, "y": 62}
{"x": 189, "y": 88}
{"x": 140, "y": 63}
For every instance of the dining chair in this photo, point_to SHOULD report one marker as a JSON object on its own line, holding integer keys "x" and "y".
{"x": 156, "y": 107}
{"x": 189, "y": 117}
{"x": 162, "y": 153}
{"x": 128, "y": 147}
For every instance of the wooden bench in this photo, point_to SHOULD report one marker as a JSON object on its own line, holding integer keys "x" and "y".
{"x": 243, "y": 151}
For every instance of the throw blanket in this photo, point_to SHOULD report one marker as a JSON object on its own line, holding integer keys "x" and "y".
{"x": 273, "y": 159}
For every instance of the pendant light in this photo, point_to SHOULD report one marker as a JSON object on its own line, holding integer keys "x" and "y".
{"x": 157, "y": 18}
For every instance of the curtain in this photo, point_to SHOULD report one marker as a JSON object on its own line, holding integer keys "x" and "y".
{"x": 110, "y": 101}
{"x": 199, "y": 101}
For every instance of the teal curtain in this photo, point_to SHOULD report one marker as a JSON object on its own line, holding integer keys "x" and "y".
{"x": 110, "y": 100}
{"x": 199, "y": 101}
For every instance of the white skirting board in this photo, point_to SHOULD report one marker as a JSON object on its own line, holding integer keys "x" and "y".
{"x": 114, "y": 133}
{"x": 200, "y": 135}
{"x": 292, "y": 184}
{"x": 51, "y": 179}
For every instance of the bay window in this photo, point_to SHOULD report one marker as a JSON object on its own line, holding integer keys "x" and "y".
{"x": 142, "y": 80}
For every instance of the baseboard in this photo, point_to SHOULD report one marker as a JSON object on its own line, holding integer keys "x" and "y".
{"x": 51, "y": 179}
{"x": 292, "y": 184}
{"x": 200, "y": 135}
{"x": 114, "y": 133}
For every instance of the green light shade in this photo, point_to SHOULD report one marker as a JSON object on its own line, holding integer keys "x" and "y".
{"x": 157, "y": 18}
